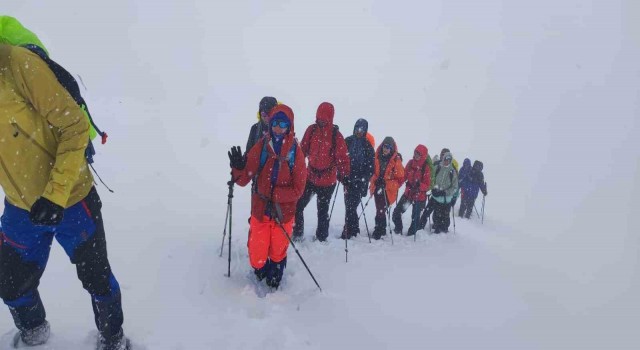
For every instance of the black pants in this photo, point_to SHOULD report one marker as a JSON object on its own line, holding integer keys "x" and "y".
{"x": 466, "y": 206}
{"x": 324, "y": 198}
{"x": 24, "y": 252}
{"x": 441, "y": 219}
{"x": 401, "y": 208}
{"x": 380, "y": 197}
{"x": 352, "y": 198}
{"x": 427, "y": 213}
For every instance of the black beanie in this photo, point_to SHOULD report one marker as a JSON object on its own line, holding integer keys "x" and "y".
{"x": 267, "y": 103}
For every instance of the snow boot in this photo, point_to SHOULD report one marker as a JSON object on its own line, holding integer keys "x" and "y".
{"x": 275, "y": 272}
{"x": 115, "y": 342}
{"x": 33, "y": 337}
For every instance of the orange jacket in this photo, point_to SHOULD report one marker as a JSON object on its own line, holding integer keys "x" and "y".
{"x": 393, "y": 175}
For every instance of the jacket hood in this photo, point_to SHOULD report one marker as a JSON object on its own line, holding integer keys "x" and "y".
{"x": 423, "y": 150}
{"x": 287, "y": 112}
{"x": 388, "y": 140}
{"x": 361, "y": 123}
{"x": 445, "y": 156}
{"x": 478, "y": 165}
{"x": 325, "y": 113}
{"x": 466, "y": 162}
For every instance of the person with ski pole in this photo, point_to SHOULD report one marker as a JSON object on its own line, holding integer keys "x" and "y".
{"x": 443, "y": 193}
{"x": 474, "y": 183}
{"x": 417, "y": 180}
{"x": 385, "y": 182}
{"x": 326, "y": 151}
{"x": 431, "y": 203}
{"x": 277, "y": 162}
{"x": 361, "y": 156}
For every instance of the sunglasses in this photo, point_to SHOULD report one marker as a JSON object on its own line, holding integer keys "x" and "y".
{"x": 281, "y": 124}
{"x": 386, "y": 146}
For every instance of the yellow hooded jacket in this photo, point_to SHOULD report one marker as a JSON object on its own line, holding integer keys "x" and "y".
{"x": 43, "y": 134}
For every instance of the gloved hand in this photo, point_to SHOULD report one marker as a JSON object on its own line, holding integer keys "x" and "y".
{"x": 438, "y": 193}
{"x": 380, "y": 182}
{"x": 45, "y": 212}
{"x": 454, "y": 200}
{"x": 237, "y": 160}
{"x": 346, "y": 181}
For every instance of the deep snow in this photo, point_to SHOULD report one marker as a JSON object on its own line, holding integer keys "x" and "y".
{"x": 545, "y": 93}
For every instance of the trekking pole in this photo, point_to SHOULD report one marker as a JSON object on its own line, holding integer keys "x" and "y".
{"x": 386, "y": 201}
{"x": 365, "y": 221}
{"x": 415, "y": 223}
{"x": 346, "y": 250}
{"x": 483, "y": 196}
{"x": 365, "y": 205}
{"x": 284, "y": 232}
{"x": 334, "y": 201}
{"x": 453, "y": 214}
{"x": 476, "y": 209}
{"x": 224, "y": 233}
{"x": 230, "y": 183}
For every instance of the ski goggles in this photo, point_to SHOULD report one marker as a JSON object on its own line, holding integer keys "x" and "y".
{"x": 282, "y": 124}
{"x": 387, "y": 146}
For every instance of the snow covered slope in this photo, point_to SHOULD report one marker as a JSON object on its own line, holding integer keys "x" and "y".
{"x": 545, "y": 93}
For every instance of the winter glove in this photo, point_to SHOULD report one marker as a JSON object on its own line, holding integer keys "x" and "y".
{"x": 45, "y": 212}
{"x": 237, "y": 160}
{"x": 454, "y": 200}
{"x": 438, "y": 193}
{"x": 380, "y": 182}
{"x": 346, "y": 181}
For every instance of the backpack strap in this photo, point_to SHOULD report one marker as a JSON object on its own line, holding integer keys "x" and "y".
{"x": 291, "y": 155}
{"x": 332, "y": 151}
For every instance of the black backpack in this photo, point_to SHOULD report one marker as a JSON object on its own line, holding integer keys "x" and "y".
{"x": 71, "y": 85}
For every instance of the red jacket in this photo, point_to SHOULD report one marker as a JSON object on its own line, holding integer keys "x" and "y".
{"x": 417, "y": 182}
{"x": 317, "y": 144}
{"x": 289, "y": 184}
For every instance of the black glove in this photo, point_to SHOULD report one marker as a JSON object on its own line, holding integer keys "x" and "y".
{"x": 45, "y": 212}
{"x": 454, "y": 200}
{"x": 346, "y": 181}
{"x": 438, "y": 193}
{"x": 237, "y": 160}
{"x": 380, "y": 182}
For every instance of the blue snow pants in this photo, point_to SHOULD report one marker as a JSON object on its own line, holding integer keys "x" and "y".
{"x": 24, "y": 251}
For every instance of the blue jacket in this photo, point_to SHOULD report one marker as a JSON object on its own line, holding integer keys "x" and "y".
{"x": 475, "y": 181}
{"x": 361, "y": 155}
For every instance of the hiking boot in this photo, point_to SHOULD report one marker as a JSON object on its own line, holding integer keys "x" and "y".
{"x": 297, "y": 238}
{"x": 397, "y": 230}
{"x": 260, "y": 273}
{"x": 36, "y": 336}
{"x": 115, "y": 342}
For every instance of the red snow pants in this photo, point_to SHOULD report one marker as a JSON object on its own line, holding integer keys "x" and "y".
{"x": 266, "y": 240}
